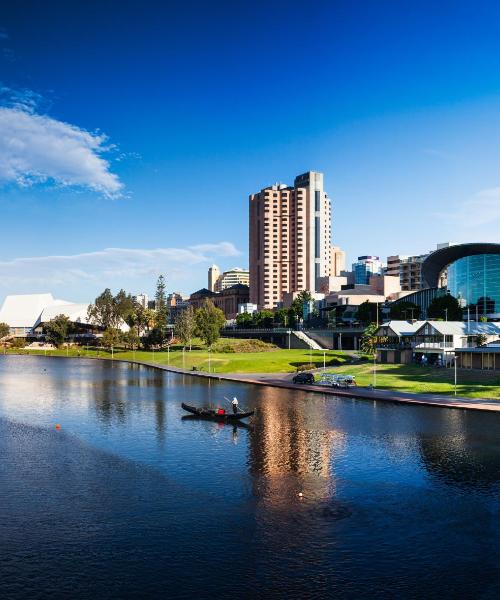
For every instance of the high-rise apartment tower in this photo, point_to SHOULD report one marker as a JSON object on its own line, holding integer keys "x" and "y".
{"x": 290, "y": 239}
{"x": 213, "y": 277}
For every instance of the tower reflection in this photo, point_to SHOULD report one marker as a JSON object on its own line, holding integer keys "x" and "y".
{"x": 292, "y": 448}
{"x": 457, "y": 453}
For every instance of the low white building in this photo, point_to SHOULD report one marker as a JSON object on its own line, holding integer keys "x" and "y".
{"x": 430, "y": 341}
{"x": 247, "y": 307}
{"x": 23, "y": 313}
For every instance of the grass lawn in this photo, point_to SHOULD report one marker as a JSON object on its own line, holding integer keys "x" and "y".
{"x": 428, "y": 380}
{"x": 273, "y": 361}
{"x": 404, "y": 378}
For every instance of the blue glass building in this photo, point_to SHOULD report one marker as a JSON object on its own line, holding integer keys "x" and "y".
{"x": 473, "y": 276}
{"x": 475, "y": 282}
{"x": 365, "y": 267}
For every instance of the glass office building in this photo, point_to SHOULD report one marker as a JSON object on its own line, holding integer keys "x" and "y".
{"x": 475, "y": 282}
{"x": 365, "y": 267}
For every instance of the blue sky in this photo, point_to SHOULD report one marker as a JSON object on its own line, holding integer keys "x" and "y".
{"x": 131, "y": 133}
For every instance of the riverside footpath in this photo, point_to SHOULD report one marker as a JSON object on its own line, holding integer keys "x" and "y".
{"x": 284, "y": 380}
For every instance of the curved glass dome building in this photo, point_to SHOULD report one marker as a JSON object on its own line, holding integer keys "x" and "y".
{"x": 475, "y": 281}
{"x": 473, "y": 276}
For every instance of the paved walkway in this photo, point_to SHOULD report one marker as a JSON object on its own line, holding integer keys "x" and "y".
{"x": 284, "y": 380}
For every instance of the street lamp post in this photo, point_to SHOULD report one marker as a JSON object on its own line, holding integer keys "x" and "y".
{"x": 324, "y": 360}
{"x": 209, "y": 362}
{"x": 455, "y": 361}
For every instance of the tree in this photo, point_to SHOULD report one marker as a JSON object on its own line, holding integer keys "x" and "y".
{"x": 130, "y": 339}
{"x": 244, "y": 321}
{"x": 298, "y": 304}
{"x": 57, "y": 329}
{"x": 332, "y": 318}
{"x": 405, "y": 310}
{"x": 282, "y": 317}
{"x": 445, "y": 307}
{"x": 481, "y": 339}
{"x": 367, "y": 312}
{"x": 104, "y": 312}
{"x": 4, "y": 330}
{"x": 185, "y": 326}
{"x": 146, "y": 320}
{"x": 264, "y": 319}
{"x": 209, "y": 322}
{"x": 125, "y": 305}
{"x": 111, "y": 337}
{"x": 161, "y": 311}
{"x": 369, "y": 339}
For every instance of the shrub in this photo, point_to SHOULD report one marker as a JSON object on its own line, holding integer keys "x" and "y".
{"x": 335, "y": 360}
{"x": 243, "y": 346}
{"x": 224, "y": 348}
{"x": 305, "y": 367}
{"x": 18, "y": 343}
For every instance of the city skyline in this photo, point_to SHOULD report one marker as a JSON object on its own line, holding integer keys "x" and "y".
{"x": 108, "y": 155}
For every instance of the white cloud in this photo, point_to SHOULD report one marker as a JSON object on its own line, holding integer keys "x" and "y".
{"x": 36, "y": 148}
{"x": 111, "y": 267}
{"x": 481, "y": 209}
{"x": 222, "y": 248}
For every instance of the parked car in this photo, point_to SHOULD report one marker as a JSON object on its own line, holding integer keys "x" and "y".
{"x": 338, "y": 381}
{"x": 304, "y": 378}
{"x": 346, "y": 380}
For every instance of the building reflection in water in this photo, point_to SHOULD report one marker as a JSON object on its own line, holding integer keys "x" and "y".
{"x": 292, "y": 449}
{"x": 114, "y": 401}
{"x": 460, "y": 452}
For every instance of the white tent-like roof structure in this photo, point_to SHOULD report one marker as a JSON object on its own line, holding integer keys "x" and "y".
{"x": 76, "y": 313}
{"x": 24, "y": 310}
{"x": 27, "y": 311}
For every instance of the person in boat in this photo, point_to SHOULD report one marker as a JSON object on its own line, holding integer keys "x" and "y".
{"x": 235, "y": 405}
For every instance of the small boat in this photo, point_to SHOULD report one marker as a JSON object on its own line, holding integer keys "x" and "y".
{"x": 216, "y": 414}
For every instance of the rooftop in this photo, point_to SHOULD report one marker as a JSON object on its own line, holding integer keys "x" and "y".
{"x": 24, "y": 310}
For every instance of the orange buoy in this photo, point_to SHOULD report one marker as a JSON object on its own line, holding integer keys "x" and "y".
{"x": 58, "y": 426}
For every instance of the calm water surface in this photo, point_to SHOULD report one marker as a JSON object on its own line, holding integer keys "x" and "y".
{"x": 128, "y": 500}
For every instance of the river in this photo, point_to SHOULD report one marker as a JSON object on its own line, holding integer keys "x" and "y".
{"x": 128, "y": 500}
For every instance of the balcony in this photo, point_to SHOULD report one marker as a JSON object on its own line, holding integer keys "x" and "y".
{"x": 419, "y": 344}
{"x": 434, "y": 345}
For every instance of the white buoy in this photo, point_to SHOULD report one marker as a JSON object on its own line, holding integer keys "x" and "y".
{"x": 300, "y": 494}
